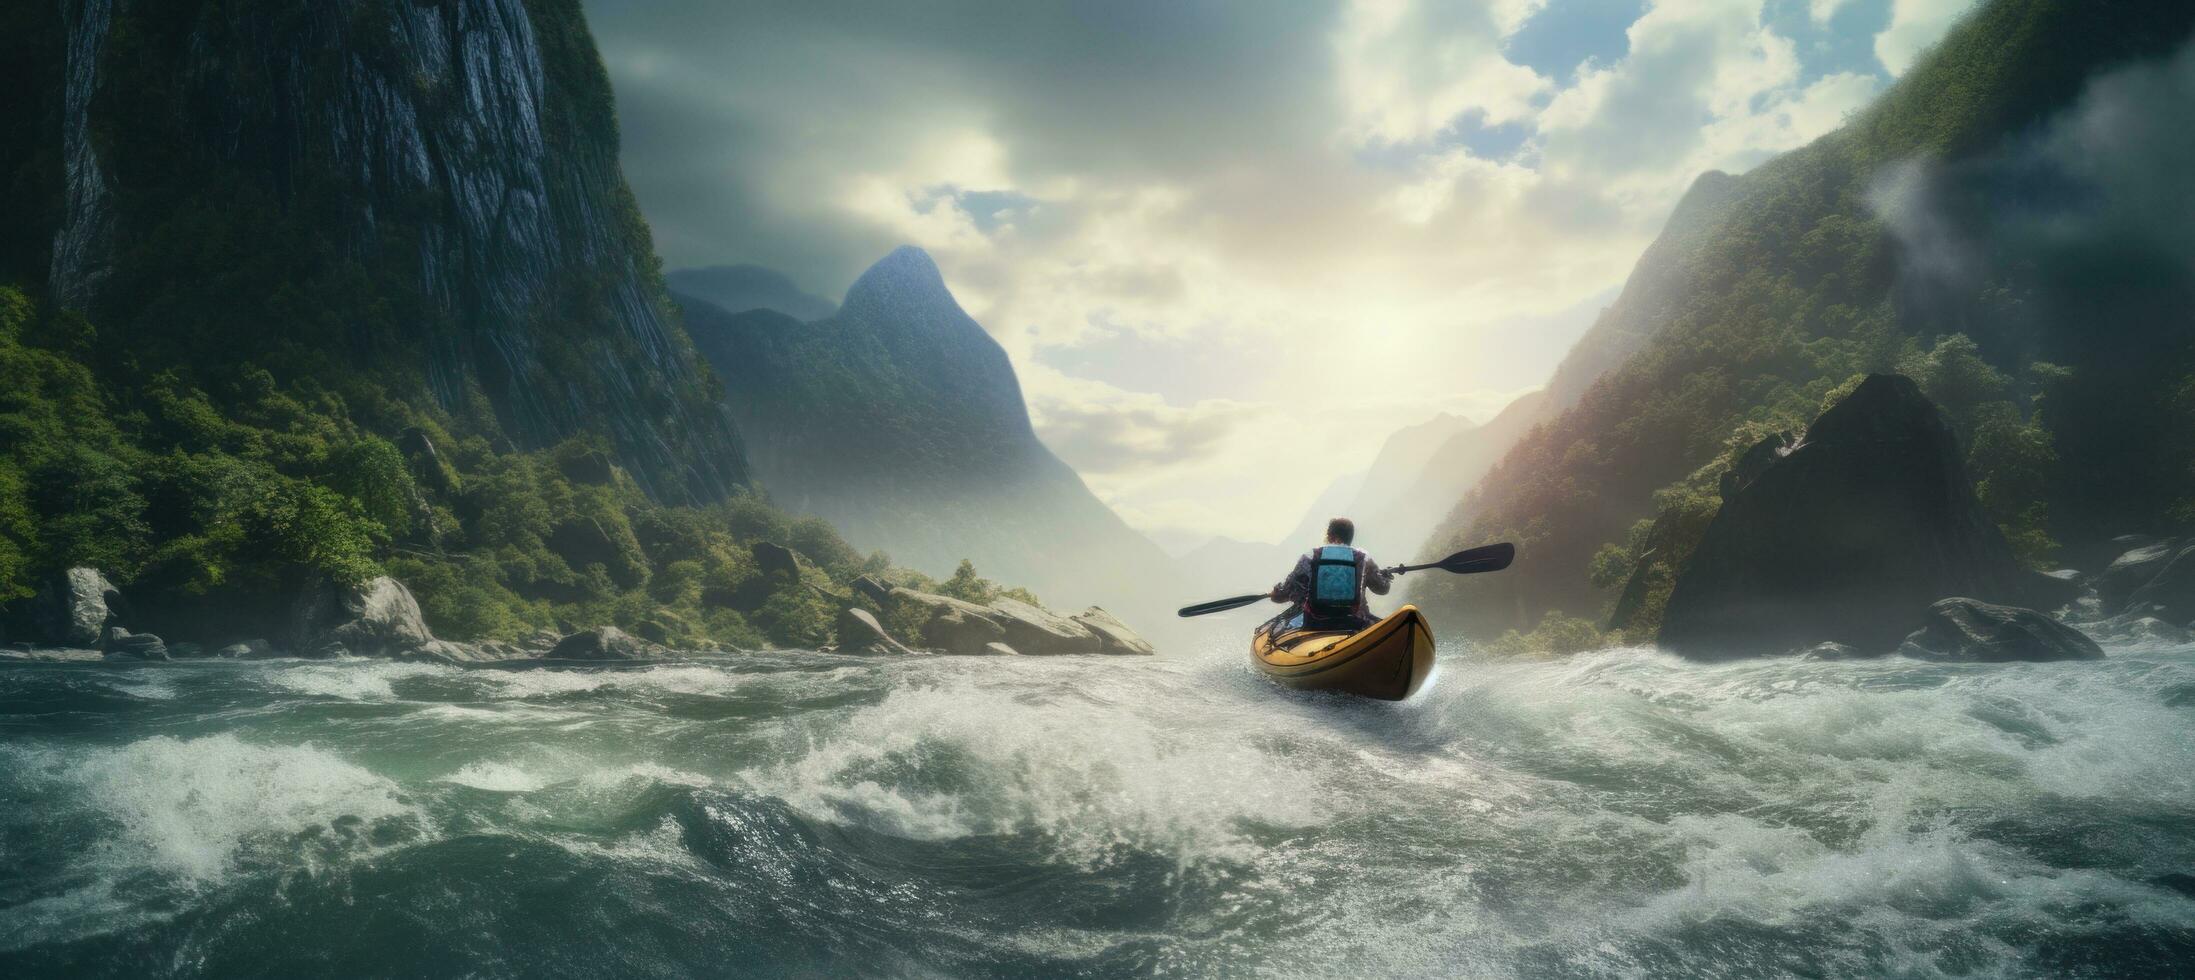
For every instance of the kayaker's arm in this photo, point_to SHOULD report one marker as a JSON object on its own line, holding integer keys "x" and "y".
{"x": 1377, "y": 580}
{"x": 1297, "y": 585}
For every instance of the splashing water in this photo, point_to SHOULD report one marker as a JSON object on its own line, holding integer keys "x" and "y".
{"x": 1619, "y": 814}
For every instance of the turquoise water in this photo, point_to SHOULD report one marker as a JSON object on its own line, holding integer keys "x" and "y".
{"x": 1617, "y": 814}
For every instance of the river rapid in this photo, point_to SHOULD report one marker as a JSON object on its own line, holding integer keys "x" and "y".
{"x": 1615, "y": 814}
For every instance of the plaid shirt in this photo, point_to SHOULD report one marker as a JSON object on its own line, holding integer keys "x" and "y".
{"x": 1370, "y": 578}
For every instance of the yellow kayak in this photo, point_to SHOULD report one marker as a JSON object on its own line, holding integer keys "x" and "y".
{"x": 1387, "y": 660}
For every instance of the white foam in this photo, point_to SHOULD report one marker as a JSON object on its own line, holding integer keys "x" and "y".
{"x": 955, "y": 760}
{"x": 495, "y": 777}
{"x": 187, "y": 807}
{"x": 349, "y": 680}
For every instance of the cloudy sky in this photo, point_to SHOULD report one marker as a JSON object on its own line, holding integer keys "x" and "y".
{"x": 1221, "y": 239}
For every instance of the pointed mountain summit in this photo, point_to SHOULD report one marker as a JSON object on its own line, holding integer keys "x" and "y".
{"x": 901, "y": 421}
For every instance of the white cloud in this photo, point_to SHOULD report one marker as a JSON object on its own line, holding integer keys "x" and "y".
{"x": 1407, "y": 70}
{"x": 1915, "y": 25}
{"x": 1823, "y": 10}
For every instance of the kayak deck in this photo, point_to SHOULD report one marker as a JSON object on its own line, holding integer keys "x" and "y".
{"x": 1387, "y": 660}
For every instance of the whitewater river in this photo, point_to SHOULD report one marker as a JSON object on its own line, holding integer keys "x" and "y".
{"x": 1617, "y": 814}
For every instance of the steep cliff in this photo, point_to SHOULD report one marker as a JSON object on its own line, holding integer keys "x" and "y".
{"x": 1846, "y": 535}
{"x": 424, "y": 195}
{"x": 902, "y": 422}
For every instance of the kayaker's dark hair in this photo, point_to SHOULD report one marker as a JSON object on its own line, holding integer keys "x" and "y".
{"x": 1341, "y": 529}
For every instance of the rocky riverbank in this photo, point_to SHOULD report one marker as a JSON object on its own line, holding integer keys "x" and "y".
{"x": 81, "y": 615}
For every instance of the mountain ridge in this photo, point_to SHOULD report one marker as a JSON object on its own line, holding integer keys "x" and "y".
{"x": 899, "y": 419}
{"x": 1794, "y": 287}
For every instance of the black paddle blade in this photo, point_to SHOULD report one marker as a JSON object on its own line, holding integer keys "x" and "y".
{"x": 1220, "y": 605}
{"x": 1492, "y": 558}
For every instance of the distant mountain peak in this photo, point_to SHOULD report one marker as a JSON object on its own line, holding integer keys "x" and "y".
{"x": 905, "y": 280}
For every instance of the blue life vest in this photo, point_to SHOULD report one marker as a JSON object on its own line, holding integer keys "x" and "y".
{"x": 1333, "y": 583}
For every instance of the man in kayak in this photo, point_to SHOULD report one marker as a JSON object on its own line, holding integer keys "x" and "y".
{"x": 1330, "y": 582}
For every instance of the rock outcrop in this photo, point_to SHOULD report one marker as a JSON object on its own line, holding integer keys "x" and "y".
{"x": 1847, "y": 536}
{"x": 2169, "y": 594}
{"x": 1032, "y": 629}
{"x": 859, "y": 632}
{"x": 125, "y": 645}
{"x": 76, "y": 610}
{"x": 376, "y": 618}
{"x": 606, "y": 643}
{"x": 951, "y": 625}
{"x": 1114, "y": 636}
{"x": 2130, "y": 571}
{"x": 955, "y": 626}
{"x": 1972, "y": 630}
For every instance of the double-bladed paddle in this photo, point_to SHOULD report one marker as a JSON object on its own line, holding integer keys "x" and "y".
{"x": 1491, "y": 558}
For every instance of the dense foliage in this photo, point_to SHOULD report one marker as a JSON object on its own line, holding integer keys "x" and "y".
{"x": 1796, "y": 288}
{"x": 209, "y": 497}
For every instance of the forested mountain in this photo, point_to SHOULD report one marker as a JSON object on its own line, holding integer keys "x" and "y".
{"x": 1992, "y": 227}
{"x": 739, "y": 288}
{"x": 308, "y": 289}
{"x": 901, "y": 421}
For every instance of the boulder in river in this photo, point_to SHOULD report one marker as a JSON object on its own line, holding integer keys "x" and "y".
{"x": 1972, "y": 630}
{"x": 1000, "y": 650}
{"x": 254, "y": 649}
{"x": 952, "y": 625}
{"x": 2169, "y": 594}
{"x": 1033, "y": 629}
{"x": 1114, "y": 636}
{"x": 76, "y": 609}
{"x": 1847, "y": 535}
{"x": 125, "y": 645}
{"x": 2132, "y": 570}
{"x": 859, "y": 632}
{"x": 606, "y": 643}
{"x": 376, "y": 618}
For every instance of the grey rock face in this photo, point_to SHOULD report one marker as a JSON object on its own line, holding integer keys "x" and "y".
{"x": 378, "y": 618}
{"x": 1000, "y": 650}
{"x": 1847, "y": 536}
{"x": 474, "y": 153}
{"x": 1972, "y": 630}
{"x": 859, "y": 632}
{"x": 606, "y": 643}
{"x": 2169, "y": 594}
{"x": 77, "y": 608}
{"x": 1114, "y": 636}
